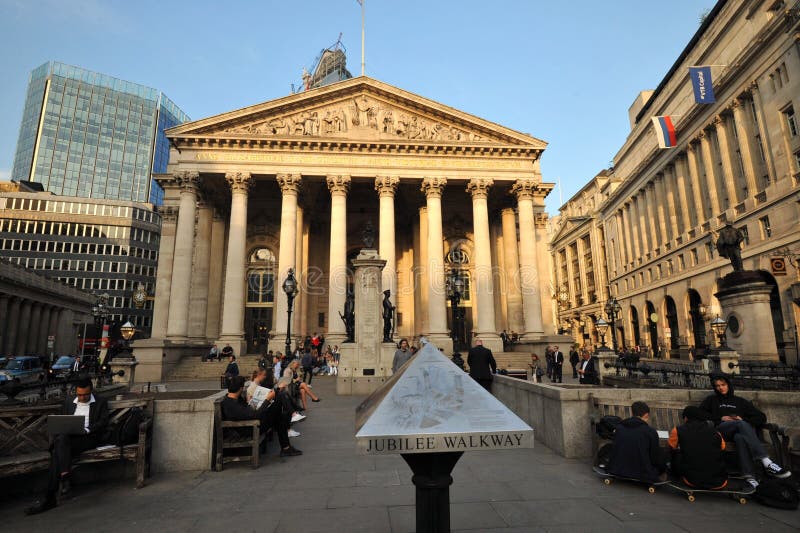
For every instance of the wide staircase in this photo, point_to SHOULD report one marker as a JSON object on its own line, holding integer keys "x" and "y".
{"x": 512, "y": 360}
{"x": 193, "y": 369}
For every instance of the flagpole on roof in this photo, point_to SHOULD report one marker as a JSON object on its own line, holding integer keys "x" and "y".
{"x": 362, "y": 36}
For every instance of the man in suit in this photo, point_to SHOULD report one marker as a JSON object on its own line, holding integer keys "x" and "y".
{"x": 94, "y": 409}
{"x": 558, "y": 364}
{"x": 481, "y": 364}
{"x": 587, "y": 369}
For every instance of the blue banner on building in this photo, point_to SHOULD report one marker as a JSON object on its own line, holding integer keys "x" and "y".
{"x": 702, "y": 85}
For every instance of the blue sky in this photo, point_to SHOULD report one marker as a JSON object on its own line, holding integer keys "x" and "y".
{"x": 565, "y": 72}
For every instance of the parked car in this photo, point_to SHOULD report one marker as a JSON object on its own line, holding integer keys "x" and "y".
{"x": 62, "y": 367}
{"x": 26, "y": 369}
{"x": 3, "y": 361}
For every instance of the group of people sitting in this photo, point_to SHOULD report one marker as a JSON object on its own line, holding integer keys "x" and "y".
{"x": 695, "y": 447}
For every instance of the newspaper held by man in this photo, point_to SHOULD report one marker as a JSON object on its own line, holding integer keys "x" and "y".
{"x": 259, "y": 396}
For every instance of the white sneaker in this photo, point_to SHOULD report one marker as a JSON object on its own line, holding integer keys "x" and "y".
{"x": 752, "y": 482}
{"x": 293, "y": 433}
{"x": 775, "y": 470}
{"x": 297, "y": 417}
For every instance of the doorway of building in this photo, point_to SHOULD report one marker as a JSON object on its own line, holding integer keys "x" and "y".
{"x": 637, "y": 337}
{"x": 672, "y": 323}
{"x": 260, "y": 300}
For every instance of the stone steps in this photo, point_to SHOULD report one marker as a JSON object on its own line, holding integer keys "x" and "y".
{"x": 512, "y": 360}
{"x": 193, "y": 369}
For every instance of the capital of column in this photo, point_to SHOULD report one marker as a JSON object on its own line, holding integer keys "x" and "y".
{"x": 338, "y": 184}
{"x": 718, "y": 121}
{"x": 386, "y": 185}
{"x": 239, "y": 182}
{"x": 169, "y": 214}
{"x": 508, "y": 211}
{"x": 479, "y": 187}
{"x": 187, "y": 180}
{"x": 524, "y": 189}
{"x": 289, "y": 183}
{"x": 433, "y": 187}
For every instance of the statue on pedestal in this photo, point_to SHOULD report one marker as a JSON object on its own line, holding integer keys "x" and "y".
{"x": 729, "y": 246}
{"x": 368, "y": 235}
{"x": 349, "y": 316}
{"x": 388, "y": 316}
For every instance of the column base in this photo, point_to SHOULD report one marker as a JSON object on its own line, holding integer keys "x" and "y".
{"x": 237, "y": 342}
{"x": 491, "y": 341}
{"x": 335, "y": 338}
{"x": 441, "y": 341}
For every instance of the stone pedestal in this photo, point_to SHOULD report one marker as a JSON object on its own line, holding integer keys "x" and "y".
{"x": 605, "y": 355}
{"x": 723, "y": 359}
{"x": 156, "y": 357}
{"x": 128, "y": 365}
{"x": 366, "y": 363}
{"x": 744, "y": 296}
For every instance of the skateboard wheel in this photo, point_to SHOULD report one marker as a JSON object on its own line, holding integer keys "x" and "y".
{"x": 743, "y": 500}
{"x": 651, "y": 490}
{"x": 607, "y": 481}
{"x": 690, "y": 497}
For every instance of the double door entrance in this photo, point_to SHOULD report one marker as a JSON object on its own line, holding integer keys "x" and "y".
{"x": 257, "y": 323}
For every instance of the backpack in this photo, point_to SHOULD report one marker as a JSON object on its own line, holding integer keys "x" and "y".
{"x": 777, "y": 493}
{"x": 604, "y": 455}
{"x": 608, "y": 426}
{"x": 126, "y": 429}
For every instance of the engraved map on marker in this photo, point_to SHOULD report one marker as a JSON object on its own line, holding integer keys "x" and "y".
{"x": 431, "y": 395}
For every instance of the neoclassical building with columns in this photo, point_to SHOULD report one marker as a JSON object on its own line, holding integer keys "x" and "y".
{"x": 293, "y": 182}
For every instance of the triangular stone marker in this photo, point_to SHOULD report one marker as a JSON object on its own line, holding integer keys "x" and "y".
{"x": 432, "y": 406}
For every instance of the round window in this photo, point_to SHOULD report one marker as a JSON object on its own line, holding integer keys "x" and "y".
{"x": 733, "y": 324}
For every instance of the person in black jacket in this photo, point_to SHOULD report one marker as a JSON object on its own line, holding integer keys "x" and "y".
{"x": 574, "y": 359}
{"x": 480, "y": 361}
{"x": 94, "y": 409}
{"x": 737, "y": 420}
{"x": 587, "y": 369}
{"x": 697, "y": 451}
{"x": 636, "y": 453}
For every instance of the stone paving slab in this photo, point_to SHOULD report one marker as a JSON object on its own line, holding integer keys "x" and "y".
{"x": 331, "y": 489}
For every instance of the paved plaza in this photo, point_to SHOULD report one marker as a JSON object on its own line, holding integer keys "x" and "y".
{"x": 331, "y": 488}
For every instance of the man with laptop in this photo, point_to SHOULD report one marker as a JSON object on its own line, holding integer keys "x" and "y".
{"x": 81, "y": 427}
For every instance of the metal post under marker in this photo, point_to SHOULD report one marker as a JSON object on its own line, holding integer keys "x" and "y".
{"x": 432, "y": 479}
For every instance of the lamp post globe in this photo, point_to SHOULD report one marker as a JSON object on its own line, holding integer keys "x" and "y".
{"x": 127, "y": 330}
{"x": 290, "y": 289}
{"x": 720, "y": 326}
{"x": 602, "y": 327}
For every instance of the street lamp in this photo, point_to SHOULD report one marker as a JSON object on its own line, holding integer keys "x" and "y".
{"x": 127, "y": 331}
{"x": 100, "y": 312}
{"x": 563, "y": 296}
{"x": 290, "y": 288}
{"x": 612, "y": 309}
{"x": 720, "y": 326}
{"x": 456, "y": 288}
{"x": 602, "y": 327}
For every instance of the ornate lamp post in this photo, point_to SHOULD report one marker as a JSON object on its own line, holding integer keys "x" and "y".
{"x": 100, "y": 312}
{"x": 290, "y": 288}
{"x": 720, "y": 326}
{"x": 612, "y": 309}
{"x": 602, "y": 327}
{"x": 127, "y": 331}
{"x": 455, "y": 290}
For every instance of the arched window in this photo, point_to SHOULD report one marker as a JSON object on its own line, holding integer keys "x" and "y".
{"x": 261, "y": 277}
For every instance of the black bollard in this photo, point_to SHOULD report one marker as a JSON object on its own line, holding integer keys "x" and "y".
{"x": 432, "y": 479}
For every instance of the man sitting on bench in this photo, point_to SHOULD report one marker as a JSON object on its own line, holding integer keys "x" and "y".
{"x": 737, "y": 419}
{"x": 271, "y": 414}
{"x": 697, "y": 452}
{"x": 94, "y": 409}
{"x": 636, "y": 453}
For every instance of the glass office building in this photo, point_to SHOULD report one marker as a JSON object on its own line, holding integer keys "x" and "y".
{"x": 91, "y": 135}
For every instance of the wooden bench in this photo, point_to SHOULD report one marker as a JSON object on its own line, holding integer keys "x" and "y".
{"x": 664, "y": 415}
{"x": 234, "y": 439}
{"x": 24, "y": 443}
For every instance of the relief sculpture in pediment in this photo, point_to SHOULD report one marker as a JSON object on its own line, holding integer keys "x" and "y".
{"x": 361, "y": 114}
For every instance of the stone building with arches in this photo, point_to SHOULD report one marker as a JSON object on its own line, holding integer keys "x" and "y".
{"x": 293, "y": 182}
{"x": 654, "y": 217}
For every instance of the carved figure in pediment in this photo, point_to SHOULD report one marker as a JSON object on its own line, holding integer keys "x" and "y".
{"x": 401, "y": 126}
{"x": 413, "y": 129}
{"x": 339, "y": 120}
{"x": 388, "y": 122}
{"x": 279, "y": 126}
{"x": 364, "y": 108}
{"x": 310, "y": 123}
{"x": 299, "y": 128}
{"x": 327, "y": 122}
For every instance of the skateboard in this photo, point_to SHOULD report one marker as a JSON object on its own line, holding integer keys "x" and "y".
{"x": 737, "y": 488}
{"x": 608, "y": 478}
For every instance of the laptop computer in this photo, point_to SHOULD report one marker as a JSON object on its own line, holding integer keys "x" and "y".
{"x": 65, "y": 425}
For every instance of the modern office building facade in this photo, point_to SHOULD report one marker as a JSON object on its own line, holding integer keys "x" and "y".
{"x": 98, "y": 246}
{"x": 736, "y": 161}
{"x": 91, "y": 135}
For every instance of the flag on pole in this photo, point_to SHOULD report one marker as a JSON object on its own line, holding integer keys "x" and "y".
{"x": 665, "y": 131}
{"x": 702, "y": 85}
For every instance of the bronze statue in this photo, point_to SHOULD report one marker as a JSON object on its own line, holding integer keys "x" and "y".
{"x": 388, "y": 316}
{"x": 368, "y": 235}
{"x": 349, "y": 316}
{"x": 729, "y": 246}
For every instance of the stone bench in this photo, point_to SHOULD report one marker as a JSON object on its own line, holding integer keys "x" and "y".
{"x": 24, "y": 443}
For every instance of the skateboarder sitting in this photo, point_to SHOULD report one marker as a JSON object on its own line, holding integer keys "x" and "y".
{"x": 636, "y": 453}
{"x": 697, "y": 452}
{"x": 737, "y": 419}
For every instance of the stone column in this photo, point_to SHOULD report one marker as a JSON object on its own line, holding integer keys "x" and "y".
{"x": 437, "y": 299}
{"x": 300, "y": 275}
{"x": 214, "y": 307}
{"x": 627, "y": 226}
{"x": 667, "y": 190}
{"x": 694, "y": 183}
{"x": 525, "y": 189}
{"x": 619, "y": 252}
{"x": 484, "y": 286}
{"x": 52, "y": 328}
{"x": 178, "y": 326}
{"x": 744, "y": 136}
{"x": 198, "y": 301}
{"x": 304, "y": 302}
{"x": 421, "y": 280}
{"x": 23, "y": 325}
{"x": 4, "y": 300}
{"x": 386, "y": 187}
{"x": 44, "y": 330}
{"x": 712, "y": 181}
{"x": 166, "y": 253}
{"x": 654, "y": 221}
{"x": 644, "y": 222}
{"x": 728, "y": 177}
{"x": 684, "y": 213}
{"x": 763, "y": 134}
{"x": 660, "y": 198}
{"x": 232, "y": 330}
{"x": 636, "y": 231}
{"x": 337, "y": 272}
{"x": 511, "y": 260}
{"x": 290, "y": 187}
{"x": 34, "y": 328}
{"x": 65, "y": 340}
{"x": 12, "y": 327}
